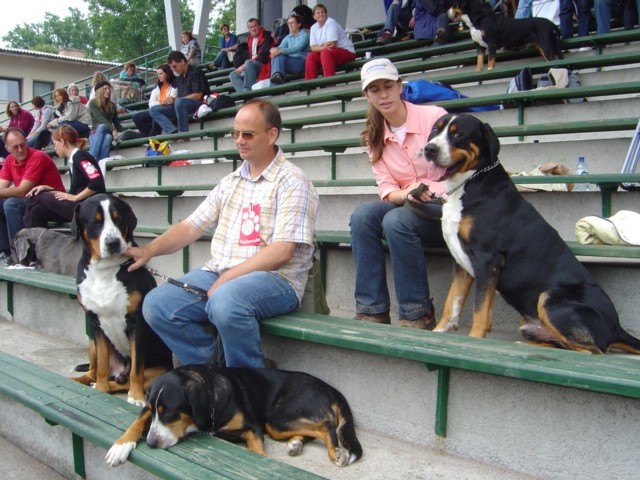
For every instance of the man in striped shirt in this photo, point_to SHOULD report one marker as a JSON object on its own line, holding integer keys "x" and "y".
{"x": 262, "y": 221}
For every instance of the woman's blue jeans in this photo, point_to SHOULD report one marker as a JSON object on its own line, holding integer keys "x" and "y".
{"x": 184, "y": 321}
{"x": 100, "y": 142}
{"x": 406, "y": 235}
{"x": 285, "y": 64}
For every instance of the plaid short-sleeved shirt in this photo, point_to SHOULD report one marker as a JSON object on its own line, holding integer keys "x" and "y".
{"x": 288, "y": 209}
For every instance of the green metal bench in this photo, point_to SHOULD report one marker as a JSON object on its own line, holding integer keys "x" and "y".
{"x": 101, "y": 418}
{"x": 441, "y": 352}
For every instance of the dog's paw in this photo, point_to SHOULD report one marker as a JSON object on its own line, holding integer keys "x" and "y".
{"x": 118, "y": 453}
{"x": 342, "y": 457}
{"x": 294, "y": 447}
{"x": 136, "y": 401}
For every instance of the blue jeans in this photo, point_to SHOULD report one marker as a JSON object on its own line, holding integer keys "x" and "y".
{"x": 603, "y": 9}
{"x": 524, "y": 9}
{"x": 396, "y": 18}
{"x": 10, "y": 221}
{"x": 243, "y": 82}
{"x": 285, "y": 64}
{"x": 100, "y": 142}
{"x": 406, "y": 235}
{"x": 180, "y": 111}
{"x": 222, "y": 60}
{"x": 184, "y": 322}
{"x": 566, "y": 17}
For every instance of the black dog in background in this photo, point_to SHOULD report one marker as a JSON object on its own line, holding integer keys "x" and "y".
{"x": 491, "y": 32}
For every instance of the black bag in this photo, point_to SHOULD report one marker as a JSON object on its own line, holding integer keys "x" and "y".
{"x": 241, "y": 55}
{"x": 523, "y": 81}
{"x": 217, "y": 102}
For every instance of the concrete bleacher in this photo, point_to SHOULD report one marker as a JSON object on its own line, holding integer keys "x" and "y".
{"x": 523, "y": 425}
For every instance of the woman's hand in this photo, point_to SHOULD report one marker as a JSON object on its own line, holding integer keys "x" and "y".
{"x": 64, "y": 196}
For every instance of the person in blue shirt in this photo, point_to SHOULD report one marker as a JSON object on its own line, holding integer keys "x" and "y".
{"x": 430, "y": 20}
{"x": 289, "y": 57}
{"x": 129, "y": 74}
{"x": 228, "y": 44}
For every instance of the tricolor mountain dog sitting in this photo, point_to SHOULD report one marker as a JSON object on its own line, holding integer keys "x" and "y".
{"x": 501, "y": 242}
{"x": 241, "y": 404}
{"x": 125, "y": 352}
{"x": 490, "y": 31}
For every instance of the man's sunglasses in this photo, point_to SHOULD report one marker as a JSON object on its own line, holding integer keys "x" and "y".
{"x": 248, "y": 136}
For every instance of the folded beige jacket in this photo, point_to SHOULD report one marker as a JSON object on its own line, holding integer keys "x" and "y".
{"x": 623, "y": 228}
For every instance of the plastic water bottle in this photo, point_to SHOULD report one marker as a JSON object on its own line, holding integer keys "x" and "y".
{"x": 582, "y": 169}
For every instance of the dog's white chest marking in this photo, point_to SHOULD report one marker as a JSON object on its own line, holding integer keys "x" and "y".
{"x": 476, "y": 35}
{"x": 451, "y": 216}
{"x": 107, "y": 297}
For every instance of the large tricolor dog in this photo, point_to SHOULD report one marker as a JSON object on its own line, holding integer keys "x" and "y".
{"x": 125, "y": 353}
{"x": 501, "y": 242}
{"x": 491, "y": 32}
{"x": 241, "y": 404}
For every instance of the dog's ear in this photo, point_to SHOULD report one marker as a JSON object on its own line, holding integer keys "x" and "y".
{"x": 491, "y": 138}
{"x": 199, "y": 399}
{"x": 130, "y": 219}
{"x": 76, "y": 224}
{"x": 23, "y": 249}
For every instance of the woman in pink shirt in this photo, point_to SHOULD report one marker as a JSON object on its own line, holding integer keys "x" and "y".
{"x": 18, "y": 118}
{"x": 395, "y": 133}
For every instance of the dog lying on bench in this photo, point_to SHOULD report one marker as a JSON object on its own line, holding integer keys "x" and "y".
{"x": 241, "y": 404}
{"x": 50, "y": 250}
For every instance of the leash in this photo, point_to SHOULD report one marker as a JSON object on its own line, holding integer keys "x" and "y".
{"x": 197, "y": 291}
{"x": 485, "y": 169}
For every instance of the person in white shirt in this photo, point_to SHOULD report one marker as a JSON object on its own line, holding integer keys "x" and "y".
{"x": 330, "y": 45}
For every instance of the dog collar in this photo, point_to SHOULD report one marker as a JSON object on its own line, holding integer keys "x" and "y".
{"x": 485, "y": 169}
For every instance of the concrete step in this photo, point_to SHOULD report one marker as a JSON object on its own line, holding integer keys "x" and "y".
{"x": 384, "y": 456}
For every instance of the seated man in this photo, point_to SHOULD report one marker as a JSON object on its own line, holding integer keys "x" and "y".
{"x": 258, "y": 66}
{"x": 129, "y": 74}
{"x": 431, "y": 20}
{"x": 22, "y": 170}
{"x": 399, "y": 14}
{"x": 191, "y": 85}
{"x": 262, "y": 220}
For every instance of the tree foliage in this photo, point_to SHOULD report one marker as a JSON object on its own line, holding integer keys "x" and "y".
{"x": 53, "y": 34}
{"x": 124, "y": 29}
{"x": 115, "y": 30}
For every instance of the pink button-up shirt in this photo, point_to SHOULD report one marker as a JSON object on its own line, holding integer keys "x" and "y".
{"x": 403, "y": 164}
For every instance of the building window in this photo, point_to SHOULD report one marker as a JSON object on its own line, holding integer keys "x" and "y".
{"x": 10, "y": 90}
{"x": 42, "y": 89}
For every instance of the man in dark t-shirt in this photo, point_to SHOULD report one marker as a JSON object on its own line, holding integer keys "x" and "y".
{"x": 192, "y": 86}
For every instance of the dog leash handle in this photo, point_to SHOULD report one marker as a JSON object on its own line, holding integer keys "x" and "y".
{"x": 197, "y": 291}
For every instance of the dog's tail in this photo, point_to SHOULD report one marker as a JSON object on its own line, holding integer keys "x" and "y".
{"x": 346, "y": 430}
{"x": 626, "y": 342}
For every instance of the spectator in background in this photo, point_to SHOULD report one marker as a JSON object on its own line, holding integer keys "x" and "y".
{"x": 330, "y": 45}
{"x": 395, "y": 132}
{"x": 258, "y": 66}
{"x": 70, "y": 111}
{"x": 74, "y": 91}
{"x": 159, "y": 96}
{"x": 431, "y": 20}
{"x": 191, "y": 85}
{"x": 23, "y": 169}
{"x": 399, "y": 14}
{"x": 191, "y": 49}
{"x": 40, "y": 136}
{"x": 105, "y": 124}
{"x": 129, "y": 74}
{"x": 567, "y": 11}
{"x": 626, "y": 9}
{"x": 228, "y": 44}
{"x": 18, "y": 118}
{"x": 45, "y": 203}
{"x": 289, "y": 57}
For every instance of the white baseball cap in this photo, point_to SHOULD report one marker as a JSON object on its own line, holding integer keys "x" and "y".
{"x": 379, "y": 68}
